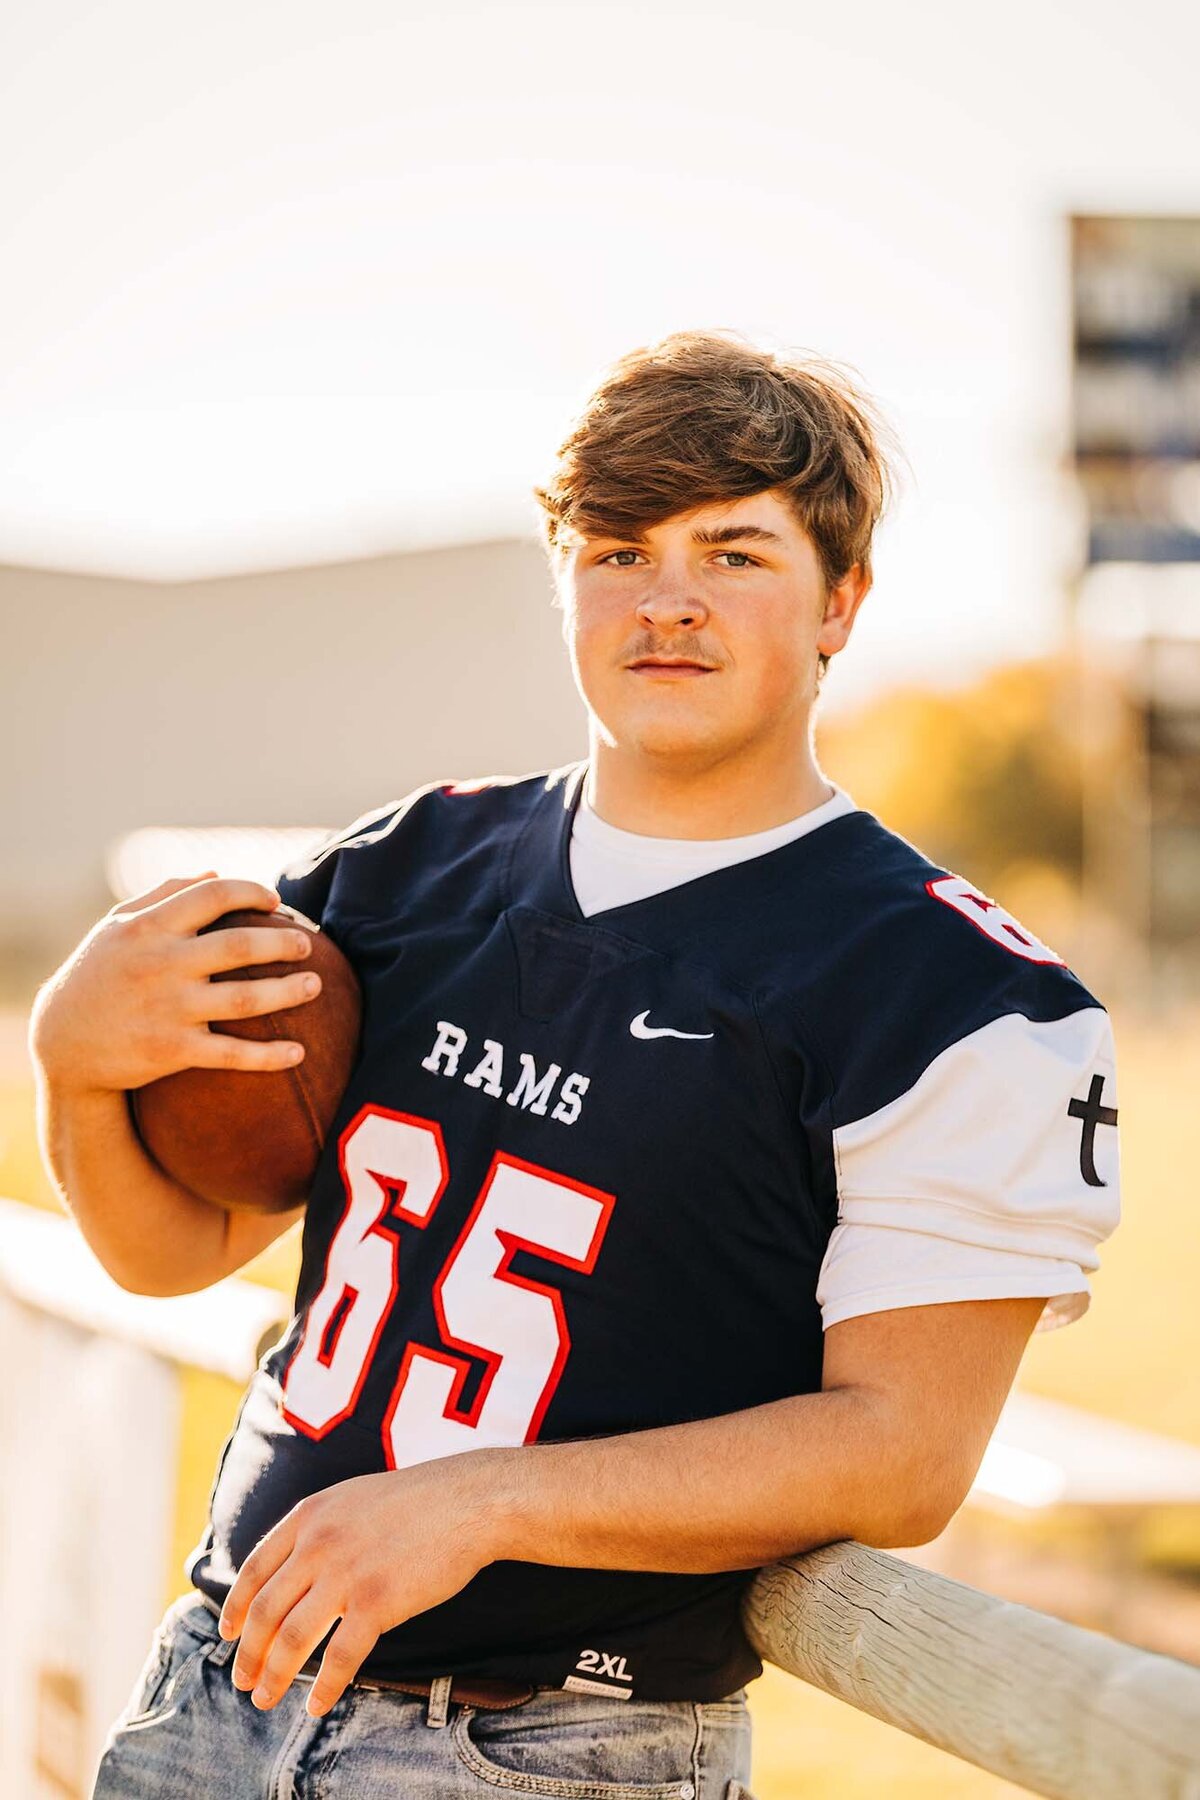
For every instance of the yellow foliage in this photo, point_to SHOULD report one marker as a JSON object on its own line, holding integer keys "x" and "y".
{"x": 984, "y": 779}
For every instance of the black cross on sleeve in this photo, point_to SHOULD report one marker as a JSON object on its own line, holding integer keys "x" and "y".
{"x": 1092, "y": 1114}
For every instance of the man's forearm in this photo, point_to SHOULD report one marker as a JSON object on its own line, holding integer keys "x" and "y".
{"x": 148, "y": 1232}
{"x": 733, "y": 1492}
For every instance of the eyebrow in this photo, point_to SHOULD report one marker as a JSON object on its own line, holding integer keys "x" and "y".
{"x": 726, "y": 534}
{"x": 716, "y": 534}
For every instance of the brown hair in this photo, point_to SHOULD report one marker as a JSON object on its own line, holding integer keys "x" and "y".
{"x": 706, "y": 415}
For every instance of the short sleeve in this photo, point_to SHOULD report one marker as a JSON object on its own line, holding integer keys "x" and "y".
{"x": 874, "y": 1268}
{"x": 998, "y": 1167}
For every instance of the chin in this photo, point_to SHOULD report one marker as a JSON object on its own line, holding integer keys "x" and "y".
{"x": 670, "y": 738}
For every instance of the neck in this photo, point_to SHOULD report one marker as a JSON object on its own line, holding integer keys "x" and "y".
{"x": 728, "y": 797}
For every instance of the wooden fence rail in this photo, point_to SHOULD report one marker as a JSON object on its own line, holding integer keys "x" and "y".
{"x": 1058, "y": 1710}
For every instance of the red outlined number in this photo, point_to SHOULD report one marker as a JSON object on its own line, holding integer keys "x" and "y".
{"x": 395, "y": 1162}
{"x": 485, "y": 1310}
{"x": 988, "y": 916}
{"x": 390, "y": 1163}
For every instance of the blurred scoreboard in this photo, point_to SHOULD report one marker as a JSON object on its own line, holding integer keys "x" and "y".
{"x": 1135, "y": 450}
{"x": 1136, "y": 386}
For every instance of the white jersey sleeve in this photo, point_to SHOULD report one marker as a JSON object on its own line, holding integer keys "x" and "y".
{"x": 873, "y": 1268}
{"x": 996, "y": 1173}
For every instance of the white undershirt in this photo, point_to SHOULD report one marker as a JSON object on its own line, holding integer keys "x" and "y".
{"x": 867, "y": 1267}
{"x": 610, "y": 867}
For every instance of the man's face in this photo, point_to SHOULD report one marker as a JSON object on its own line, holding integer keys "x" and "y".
{"x": 733, "y": 586}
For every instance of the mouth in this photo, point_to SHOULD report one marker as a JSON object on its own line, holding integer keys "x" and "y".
{"x": 669, "y": 666}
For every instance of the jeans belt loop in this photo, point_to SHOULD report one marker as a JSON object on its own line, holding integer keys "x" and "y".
{"x": 438, "y": 1710}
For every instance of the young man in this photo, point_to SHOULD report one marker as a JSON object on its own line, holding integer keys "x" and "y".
{"x": 710, "y": 1159}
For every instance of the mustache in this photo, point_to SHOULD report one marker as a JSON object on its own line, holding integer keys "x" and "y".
{"x": 689, "y": 649}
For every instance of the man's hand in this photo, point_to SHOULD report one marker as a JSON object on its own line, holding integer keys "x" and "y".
{"x": 134, "y": 999}
{"x": 133, "y": 1002}
{"x": 372, "y": 1552}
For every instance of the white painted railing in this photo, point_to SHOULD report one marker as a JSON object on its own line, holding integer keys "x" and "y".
{"x": 90, "y": 1458}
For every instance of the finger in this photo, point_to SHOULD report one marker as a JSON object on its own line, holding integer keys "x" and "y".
{"x": 205, "y": 1049}
{"x": 269, "y": 1554}
{"x": 205, "y": 901}
{"x": 136, "y": 902}
{"x": 298, "y": 1635}
{"x": 244, "y": 947}
{"x": 269, "y": 1611}
{"x": 344, "y": 1656}
{"x": 249, "y": 999}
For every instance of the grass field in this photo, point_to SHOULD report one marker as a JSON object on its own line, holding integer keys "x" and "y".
{"x": 1132, "y": 1357}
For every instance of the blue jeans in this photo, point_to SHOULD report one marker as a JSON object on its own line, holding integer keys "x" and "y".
{"x": 187, "y": 1733}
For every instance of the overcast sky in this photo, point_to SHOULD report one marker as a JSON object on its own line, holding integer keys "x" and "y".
{"x": 288, "y": 283}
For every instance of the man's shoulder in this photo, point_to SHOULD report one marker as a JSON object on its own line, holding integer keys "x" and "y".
{"x": 469, "y": 797}
{"x": 869, "y": 897}
{"x": 514, "y": 795}
{"x": 892, "y": 958}
{"x": 450, "y": 823}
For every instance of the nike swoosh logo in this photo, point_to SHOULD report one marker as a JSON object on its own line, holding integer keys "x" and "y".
{"x": 640, "y": 1029}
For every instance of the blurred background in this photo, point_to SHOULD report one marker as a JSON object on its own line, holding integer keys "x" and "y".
{"x": 296, "y": 308}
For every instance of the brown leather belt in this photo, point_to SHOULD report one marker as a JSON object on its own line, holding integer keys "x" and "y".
{"x": 465, "y": 1690}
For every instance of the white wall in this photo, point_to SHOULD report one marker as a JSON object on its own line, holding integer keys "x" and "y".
{"x": 301, "y": 697}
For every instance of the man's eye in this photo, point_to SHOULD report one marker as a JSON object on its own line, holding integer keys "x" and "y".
{"x": 746, "y": 562}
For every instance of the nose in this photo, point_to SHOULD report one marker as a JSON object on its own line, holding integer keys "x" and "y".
{"x": 671, "y": 601}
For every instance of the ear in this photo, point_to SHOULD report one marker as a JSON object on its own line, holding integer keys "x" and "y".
{"x": 841, "y": 605}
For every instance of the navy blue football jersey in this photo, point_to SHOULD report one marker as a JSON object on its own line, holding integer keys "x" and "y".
{"x": 585, "y": 1171}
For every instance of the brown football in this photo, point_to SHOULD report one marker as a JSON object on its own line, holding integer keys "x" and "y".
{"x": 250, "y": 1139}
